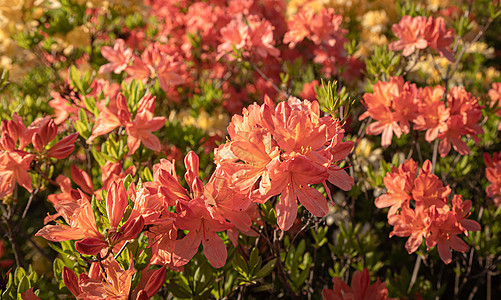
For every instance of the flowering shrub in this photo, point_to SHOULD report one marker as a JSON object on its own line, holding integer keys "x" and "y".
{"x": 158, "y": 149}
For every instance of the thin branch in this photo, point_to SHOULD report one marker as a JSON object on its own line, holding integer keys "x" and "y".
{"x": 280, "y": 267}
{"x": 122, "y": 249}
{"x": 30, "y": 199}
{"x": 434, "y": 158}
{"x": 414, "y": 273}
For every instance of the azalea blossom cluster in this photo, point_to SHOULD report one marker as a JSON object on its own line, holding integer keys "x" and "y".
{"x": 138, "y": 128}
{"x": 253, "y": 37}
{"x": 421, "y": 32}
{"x": 493, "y": 174}
{"x": 360, "y": 288}
{"x": 108, "y": 280}
{"x": 20, "y": 146}
{"x": 156, "y": 61}
{"x": 283, "y": 150}
{"x": 419, "y": 208}
{"x": 495, "y": 95}
{"x": 323, "y": 29}
{"x": 395, "y": 105}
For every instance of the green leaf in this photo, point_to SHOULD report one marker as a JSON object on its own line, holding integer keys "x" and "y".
{"x": 240, "y": 265}
{"x": 58, "y": 269}
{"x": 266, "y": 269}
{"x": 254, "y": 259}
{"x": 127, "y": 181}
{"x": 24, "y": 284}
{"x": 146, "y": 174}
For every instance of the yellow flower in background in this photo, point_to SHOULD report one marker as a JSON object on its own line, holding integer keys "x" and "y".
{"x": 432, "y": 66}
{"x": 375, "y": 21}
{"x": 371, "y": 39}
{"x": 78, "y": 37}
{"x": 488, "y": 76}
{"x": 98, "y": 4}
{"x": 365, "y": 151}
{"x": 215, "y": 123}
{"x": 8, "y": 7}
{"x": 128, "y": 6}
{"x": 435, "y": 5}
{"x": 293, "y": 6}
{"x": 481, "y": 48}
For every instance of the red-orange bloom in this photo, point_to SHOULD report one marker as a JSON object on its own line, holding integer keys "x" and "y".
{"x": 119, "y": 57}
{"x": 14, "y": 167}
{"x": 139, "y": 130}
{"x": 253, "y": 37}
{"x": 410, "y": 33}
{"x": 323, "y": 27}
{"x": 495, "y": 95}
{"x": 421, "y": 32}
{"x": 493, "y": 174}
{"x": 360, "y": 288}
{"x": 393, "y": 105}
{"x": 420, "y": 209}
{"x": 115, "y": 283}
{"x": 284, "y": 150}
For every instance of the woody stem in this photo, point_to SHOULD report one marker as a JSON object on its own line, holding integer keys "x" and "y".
{"x": 39, "y": 171}
{"x": 280, "y": 267}
{"x": 121, "y": 249}
{"x": 434, "y": 158}
{"x": 414, "y": 273}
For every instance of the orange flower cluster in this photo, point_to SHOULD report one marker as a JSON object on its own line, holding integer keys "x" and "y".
{"x": 360, "y": 288}
{"x": 419, "y": 208}
{"x": 139, "y": 128}
{"x": 16, "y": 154}
{"x": 421, "y": 32}
{"x": 495, "y": 95}
{"x": 493, "y": 174}
{"x": 396, "y": 104}
{"x": 321, "y": 28}
{"x": 283, "y": 150}
{"x": 156, "y": 61}
{"x": 254, "y": 36}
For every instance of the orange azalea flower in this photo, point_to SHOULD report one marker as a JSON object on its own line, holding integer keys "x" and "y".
{"x": 433, "y": 114}
{"x": 158, "y": 61}
{"x": 399, "y": 184}
{"x": 253, "y": 36}
{"x": 284, "y": 150}
{"x": 323, "y": 27}
{"x": 299, "y": 27}
{"x": 360, "y": 289}
{"x": 393, "y": 105}
{"x": 200, "y": 219}
{"x": 139, "y": 130}
{"x": 410, "y": 33}
{"x": 14, "y": 132}
{"x": 14, "y": 168}
{"x": 414, "y": 223}
{"x": 426, "y": 214}
{"x": 81, "y": 225}
{"x": 493, "y": 174}
{"x": 419, "y": 33}
{"x": 439, "y": 38}
{"x": 114, "y": 284}
{"x": 119, "y": 57}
